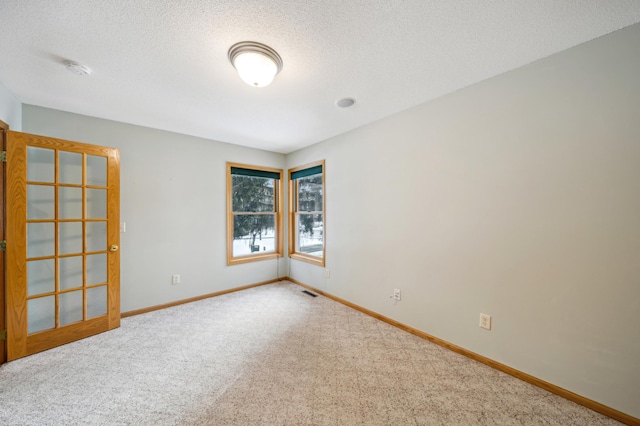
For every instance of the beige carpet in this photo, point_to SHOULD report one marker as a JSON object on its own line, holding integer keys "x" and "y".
{"x": 270, "y": 355}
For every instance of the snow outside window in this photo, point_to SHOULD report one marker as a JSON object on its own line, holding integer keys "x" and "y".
{"x": 254, "y": 220}
{"x": 306, "y": 229}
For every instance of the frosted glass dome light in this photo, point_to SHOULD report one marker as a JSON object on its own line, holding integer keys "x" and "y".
{"x": 256, "y": 63}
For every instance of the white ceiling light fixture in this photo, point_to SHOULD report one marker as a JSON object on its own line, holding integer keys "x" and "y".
{"x": 256, "y": 63}
{"x": 77, "y": 68}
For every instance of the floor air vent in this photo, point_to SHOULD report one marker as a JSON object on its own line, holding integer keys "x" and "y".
{"x": 309, "y": 293}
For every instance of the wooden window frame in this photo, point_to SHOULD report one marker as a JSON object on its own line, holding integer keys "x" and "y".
{"x": 293, "y": 210}
{"x": 279, "y": 231}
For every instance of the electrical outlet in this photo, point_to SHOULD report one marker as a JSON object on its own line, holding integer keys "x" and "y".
{"x": 396, "y": 294}
{"x": 485, "y": 321}
{"x": 327, "y": 273}
{"x": 175, "y": 279}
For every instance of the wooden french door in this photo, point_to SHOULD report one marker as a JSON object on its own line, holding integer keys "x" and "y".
{"x": 62, "y": 233}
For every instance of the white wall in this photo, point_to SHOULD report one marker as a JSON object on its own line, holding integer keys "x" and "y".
{"x": 518, "y": 197}
{"x": 173, "y": 200}
{"x": 10, "y": 109}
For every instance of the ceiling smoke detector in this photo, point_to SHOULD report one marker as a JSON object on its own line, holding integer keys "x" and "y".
{"x": 77, "y": 68}
{"x": 256, "y": 63}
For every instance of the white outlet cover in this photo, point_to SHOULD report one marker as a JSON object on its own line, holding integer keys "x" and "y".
{"x": 485, "y": 321}
{"x": 396, "y": 294}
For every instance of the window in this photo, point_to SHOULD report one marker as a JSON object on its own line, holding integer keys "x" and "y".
{"x": 306, "y": 213}
{"x": 254, "y": 218}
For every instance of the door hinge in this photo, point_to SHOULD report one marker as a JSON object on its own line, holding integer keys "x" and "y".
{"x": 3, "y": 334}
{"x": 3, "y": 245}
{"x": 3, "y": 156}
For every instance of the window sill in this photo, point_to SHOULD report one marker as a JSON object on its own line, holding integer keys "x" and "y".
{"x": 306, "y": 258}
{"x": 252, "y": 258}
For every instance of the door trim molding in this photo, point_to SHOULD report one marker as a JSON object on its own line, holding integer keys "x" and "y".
{"x": 3, "y": 301}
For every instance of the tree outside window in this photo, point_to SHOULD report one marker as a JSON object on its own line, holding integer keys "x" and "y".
{"x": 306, "y": 225}
{"x": 254, "y": 213}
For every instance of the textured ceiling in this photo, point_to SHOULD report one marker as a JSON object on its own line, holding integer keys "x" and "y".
{"x": 163, "y": 64}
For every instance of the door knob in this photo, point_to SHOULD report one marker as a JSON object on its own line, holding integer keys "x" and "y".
{"x": 113, "y": 248}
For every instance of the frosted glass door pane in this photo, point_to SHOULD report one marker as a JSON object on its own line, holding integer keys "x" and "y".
{"x": 70, "y": 237}
{"x": 40, "y": 277}
{"x": 96, "y": 203}
{"x": 40, "y": 202}
{"x": 96, "y": 301}
{"x": 40, "y": 165}
{"x": 96, "y": 170}
{"x": 69, "y": 203}
{"x": 42, "y": 314}
{"x": 70, "y": 165}
{"x": 40, "y": 239}
{"x": 96, "y": 236}
{"x": 70, "y": 272}
{"x": 70, "y": 307}
{"x": 96, "y": 269}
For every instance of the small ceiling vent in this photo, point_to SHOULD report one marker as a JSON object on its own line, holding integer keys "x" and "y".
{"x": 345, "y": 102}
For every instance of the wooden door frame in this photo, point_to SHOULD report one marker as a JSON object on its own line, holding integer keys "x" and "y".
{"x": 3, "y": 323}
